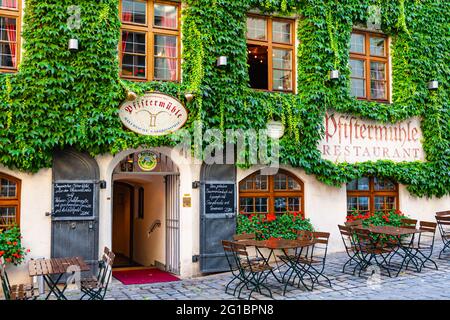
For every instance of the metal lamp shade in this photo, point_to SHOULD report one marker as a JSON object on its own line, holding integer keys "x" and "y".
{"x": 189, "y": 96}
{"x": 73, "y": 44}
{"x": 334, "y": 74}
{"x": 222, "y": 61}
{"x": 433, "y": 85}
{"x": 275, "y": 129}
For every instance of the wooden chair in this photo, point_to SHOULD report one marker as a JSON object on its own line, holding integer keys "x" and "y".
{"x": 443, "y": 221}
{"x": 350, "y": 247}
{"x": 423, "y": 248}
{"x": 17, "y": 291}
{"x": 233, "y": 265}
{"x": 370, "y": 251}
{"x": 253, "y": 274}
{"x": 96, "y": 287}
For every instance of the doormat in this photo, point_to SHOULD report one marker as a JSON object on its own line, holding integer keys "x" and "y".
{"x": 143, "y": 276}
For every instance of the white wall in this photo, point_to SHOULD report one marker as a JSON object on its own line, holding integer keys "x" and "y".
{"x": 35, "y": 226}
{"x": 151, "y": 247}
{"x": 327, "y": 206}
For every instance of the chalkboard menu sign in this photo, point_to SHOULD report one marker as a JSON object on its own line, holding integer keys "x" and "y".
{"x": 73, "y": 200}
{"x": 219, "y": 198}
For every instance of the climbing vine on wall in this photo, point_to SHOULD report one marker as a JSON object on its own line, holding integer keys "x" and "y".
{"x": 60, "y": 99}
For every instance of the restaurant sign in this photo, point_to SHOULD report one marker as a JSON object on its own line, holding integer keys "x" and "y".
{"x": 352, "y": 139}
{"x": 153, "y": 114}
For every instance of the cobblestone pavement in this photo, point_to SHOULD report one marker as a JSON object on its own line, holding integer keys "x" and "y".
{"x": 430, "y": 284}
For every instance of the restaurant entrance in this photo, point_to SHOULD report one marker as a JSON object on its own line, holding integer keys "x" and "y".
{"x": 145, "y": 224}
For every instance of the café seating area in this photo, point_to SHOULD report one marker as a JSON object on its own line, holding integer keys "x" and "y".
{"x": 258, "y": 265}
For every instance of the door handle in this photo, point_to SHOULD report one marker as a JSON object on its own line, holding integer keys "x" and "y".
{"x": 49, "y": 214}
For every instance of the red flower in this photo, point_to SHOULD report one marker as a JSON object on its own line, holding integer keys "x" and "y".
{"x": 271, "y": 217}
{"x": 8, "y": 259}
{"x": 15, "y": 243}
{"x": 2, "y": 253}
{"x": 28, "y": 250}
{"x": 9, "y": 242}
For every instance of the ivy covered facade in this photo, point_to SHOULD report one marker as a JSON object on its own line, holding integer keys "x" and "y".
{"x": 58, "y": 99}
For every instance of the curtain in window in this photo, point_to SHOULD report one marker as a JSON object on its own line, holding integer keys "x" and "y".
{"x": 8, "y": 4}
{"x": 11, "y": 33}
{"x": 126, "y": 17}
{"x": 169, "y": 50}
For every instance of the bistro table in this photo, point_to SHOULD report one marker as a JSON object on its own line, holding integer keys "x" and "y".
{"x": 56, "y": 267}
{"x": 397, "y": 233}
{"x": 284, "y": 245}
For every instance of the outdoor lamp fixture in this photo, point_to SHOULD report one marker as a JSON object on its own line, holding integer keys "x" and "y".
{"x": 275, "y": 129}
{"x": 189, "y": 96}
{"x": 334, "y": 74}
{"x": 433, "y": 85}
{"x": 222, "y": 61}
{"x": 131, "y": 96}
{"x": 73, "y": 45}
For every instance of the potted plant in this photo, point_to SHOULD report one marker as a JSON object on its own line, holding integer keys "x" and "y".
{"x": 284, "y": 226}
{"x": 11, "y": 246}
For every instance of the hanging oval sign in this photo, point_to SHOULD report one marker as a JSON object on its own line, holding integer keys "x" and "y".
{"x": 153, "y": 114}
{"x": 147, "y": 160}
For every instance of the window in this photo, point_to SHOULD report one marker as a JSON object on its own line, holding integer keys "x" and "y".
{"x": 9, "y": 201}
{"x": 150, "y": 45}
{"x": 278, "y": 193}
{"x": 369, "y": 65}
{"x": 372, "y": 195}
{"x": 9, "y": 34}
{"x": 270, "y": 48}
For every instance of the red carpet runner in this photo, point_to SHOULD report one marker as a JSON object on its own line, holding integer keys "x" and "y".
{"x": 143, "y": 276}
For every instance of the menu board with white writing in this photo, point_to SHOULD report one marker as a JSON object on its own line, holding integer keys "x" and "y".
{"x": 219, "y": 198}
{"x": 73, "y": 200}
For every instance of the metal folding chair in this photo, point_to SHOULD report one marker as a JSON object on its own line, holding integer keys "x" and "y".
{"x": 422, "y": 249}
{"x": 443, "y": 221}
{"x": 253, "y": 274}
{"x": 350, "y": 247}
{"x": 96, "y": 288}
{"x": 18, "y": 291}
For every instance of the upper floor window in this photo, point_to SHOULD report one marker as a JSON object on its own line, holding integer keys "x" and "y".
{"x": 270, "y": 47}
{"x": 9, "y": 34}
{"x": 9, "y": 201}
{"x": 264, "y": 194}
{"x": 150, "y": 40}
{"x": 369, "y": 65}
{"x": 370, "y": 195}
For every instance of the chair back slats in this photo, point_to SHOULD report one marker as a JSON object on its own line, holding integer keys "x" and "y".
{"x": 356, "y": 223}
{"x": 428, "y": 226}
{"x": 240, "y": 249}
{"x": 244, "y": 236}
{"x": 408, "y": 223}
{"x": 443, "y": 220}
{"x": 443, "y": 214}
{"x": 227, "y": 245}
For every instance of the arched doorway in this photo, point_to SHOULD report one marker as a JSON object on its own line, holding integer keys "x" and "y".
{"x": 145, "y": 224}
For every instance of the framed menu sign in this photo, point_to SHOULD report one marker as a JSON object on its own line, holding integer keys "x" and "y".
{"x": 219, "y": 198}
{"x": 73, "y": 200}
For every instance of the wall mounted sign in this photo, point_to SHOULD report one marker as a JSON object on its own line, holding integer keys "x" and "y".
{"x": 219, "y": 198}
{"x": 187, "y": 201}
{"x": 73, "y": 200}
{"x": 147, "y": 160}
{"x": 153, "y": 114}
{"x": 352, "y": 139}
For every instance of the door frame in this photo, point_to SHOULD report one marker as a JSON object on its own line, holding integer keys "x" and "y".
{"x": 132, "y": 207}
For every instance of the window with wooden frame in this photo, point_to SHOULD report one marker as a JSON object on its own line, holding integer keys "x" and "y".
{"x": 9, "y": 34}
{"x": 150, "y": 40}
{"x": 270, "y": 48}
{"x": 369, "y": 65}
{"x": 372, "y": 195}
{"x": 9, "y": 201}
{"x": 265, "y": 194}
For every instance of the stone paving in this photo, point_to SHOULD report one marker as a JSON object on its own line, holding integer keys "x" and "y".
{"x": 430, "y": 284}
